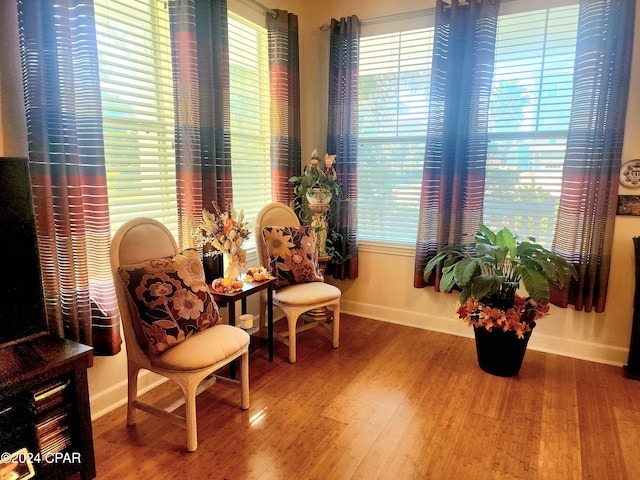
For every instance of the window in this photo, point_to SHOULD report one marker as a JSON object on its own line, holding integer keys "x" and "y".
{"x": 394, "y": 73}
{"x": 529, "y": 114}
{"x": 134, "y": 47}
{"x": 134, "y": 54}
{"x": 250, "y": 117}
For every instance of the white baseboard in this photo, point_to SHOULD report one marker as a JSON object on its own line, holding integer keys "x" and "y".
{"x": 116, "y": 396}
{"x": 591, "y": 351}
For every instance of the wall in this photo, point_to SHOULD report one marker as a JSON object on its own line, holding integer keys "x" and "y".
{"x": 13, "y": 127}
{"x": 384, "y": 288}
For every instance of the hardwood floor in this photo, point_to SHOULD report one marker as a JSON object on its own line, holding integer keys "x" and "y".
{"x": 392, "y": 402}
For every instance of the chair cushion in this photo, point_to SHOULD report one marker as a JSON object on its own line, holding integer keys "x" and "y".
{"x": 170, "y": 300}
{"x": 203, "y": 349}
{"x": 306, "y": 294}
{"x": 293, "y": 256}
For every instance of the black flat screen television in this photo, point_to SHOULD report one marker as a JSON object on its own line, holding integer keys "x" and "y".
{"x": 22, "y": 312}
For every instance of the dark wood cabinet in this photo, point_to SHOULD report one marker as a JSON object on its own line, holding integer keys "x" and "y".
{"x": 44, "y": 409}
{"x": 632, "y": 368}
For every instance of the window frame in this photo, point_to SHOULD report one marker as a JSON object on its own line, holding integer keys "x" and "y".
{"x": 543, "y": 81}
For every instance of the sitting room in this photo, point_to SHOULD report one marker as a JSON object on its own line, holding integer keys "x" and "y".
{"x": 349, "y": 239}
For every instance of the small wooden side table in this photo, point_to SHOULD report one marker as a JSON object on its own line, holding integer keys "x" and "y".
{"x": 229, "y": 300}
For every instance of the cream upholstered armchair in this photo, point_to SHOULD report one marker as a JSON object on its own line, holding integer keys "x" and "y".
{"x": 170, "y": 322}
{"x": 295, "y": 298}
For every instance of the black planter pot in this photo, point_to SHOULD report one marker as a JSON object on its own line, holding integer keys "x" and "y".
{"x": 500, "y": 353}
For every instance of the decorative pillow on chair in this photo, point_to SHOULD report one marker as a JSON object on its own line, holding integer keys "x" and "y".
{"x": 293, "y": 256}
{"x": 171, "y": 298}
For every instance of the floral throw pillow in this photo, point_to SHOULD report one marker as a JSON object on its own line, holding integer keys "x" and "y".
{"x": 171, "y": 298}
{"x": 293, "y": 256}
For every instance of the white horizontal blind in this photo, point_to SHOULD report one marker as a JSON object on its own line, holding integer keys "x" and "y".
{"x": 137, "y": 100}
{"x": 394, "y": 78}
{"x": 250, "y": 117}
{"x": 529, "y": 119}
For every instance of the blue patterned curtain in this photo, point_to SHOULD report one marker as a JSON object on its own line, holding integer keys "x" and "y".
{"x": 284, "y": 87}
{"x": 66, "y": 156}
{"x": 342, "y": 137}
{"x": 455, "y": 158}
{"x": 200, "y": 49}
{"x": 588, "y": 201}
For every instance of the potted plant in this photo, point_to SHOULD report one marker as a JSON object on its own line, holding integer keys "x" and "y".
{"x": 318, "y": 195}
{"x": 318, "y": 181}
{"x": 488, "y": 272}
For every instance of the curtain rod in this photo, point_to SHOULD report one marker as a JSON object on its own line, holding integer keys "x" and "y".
{"x": 396, "y": 16}
{"x": 273, "y": 13}
{"x": 388, "y": 18}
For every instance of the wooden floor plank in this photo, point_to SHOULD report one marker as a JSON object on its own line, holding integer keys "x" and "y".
{"x": 599, "y": 435}
{"x": 560, "y": 433}
{"x": 392, "y": 402}
{"x": 627, "y": 422}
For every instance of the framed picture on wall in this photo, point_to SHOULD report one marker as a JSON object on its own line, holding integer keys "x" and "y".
{"x": 629, "y": 205}
{"x": 630, "y": 174}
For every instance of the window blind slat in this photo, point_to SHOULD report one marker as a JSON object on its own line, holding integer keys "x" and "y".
{"x": 394, "y": 73}
{"x": 529, "y": 114}
{"x": 137, "y": 99}
{"x": 250, "y": 118}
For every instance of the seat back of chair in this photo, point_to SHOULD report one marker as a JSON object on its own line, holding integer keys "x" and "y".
{"x": 136, "y": 241}
{"x": 274, "y": 214}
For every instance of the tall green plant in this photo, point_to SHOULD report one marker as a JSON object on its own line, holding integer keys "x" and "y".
{"x": 494, "y": 265}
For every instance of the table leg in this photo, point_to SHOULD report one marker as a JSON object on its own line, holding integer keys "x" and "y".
{"x": 231, "y": 310}
{"x": 270, "y": 322}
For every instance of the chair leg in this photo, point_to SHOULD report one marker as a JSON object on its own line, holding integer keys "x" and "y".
{"x": 293, "y": 321}
{"x": 132, "y": 391}
{"x": 189, "y": 391}
{"x": 244, "y": 380}
{"x": 336, "y": 325}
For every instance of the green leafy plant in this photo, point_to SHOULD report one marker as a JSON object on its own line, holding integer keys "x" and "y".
{"x": 492, "y": 267}
{"x": 316, "y": 177}
{"x": 489, "y": 271}
{"x": 336, "y": 247}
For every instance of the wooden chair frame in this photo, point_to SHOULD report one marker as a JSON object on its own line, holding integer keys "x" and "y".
{"x": 278, "y": 214}
{"x": 136, "y": 241}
